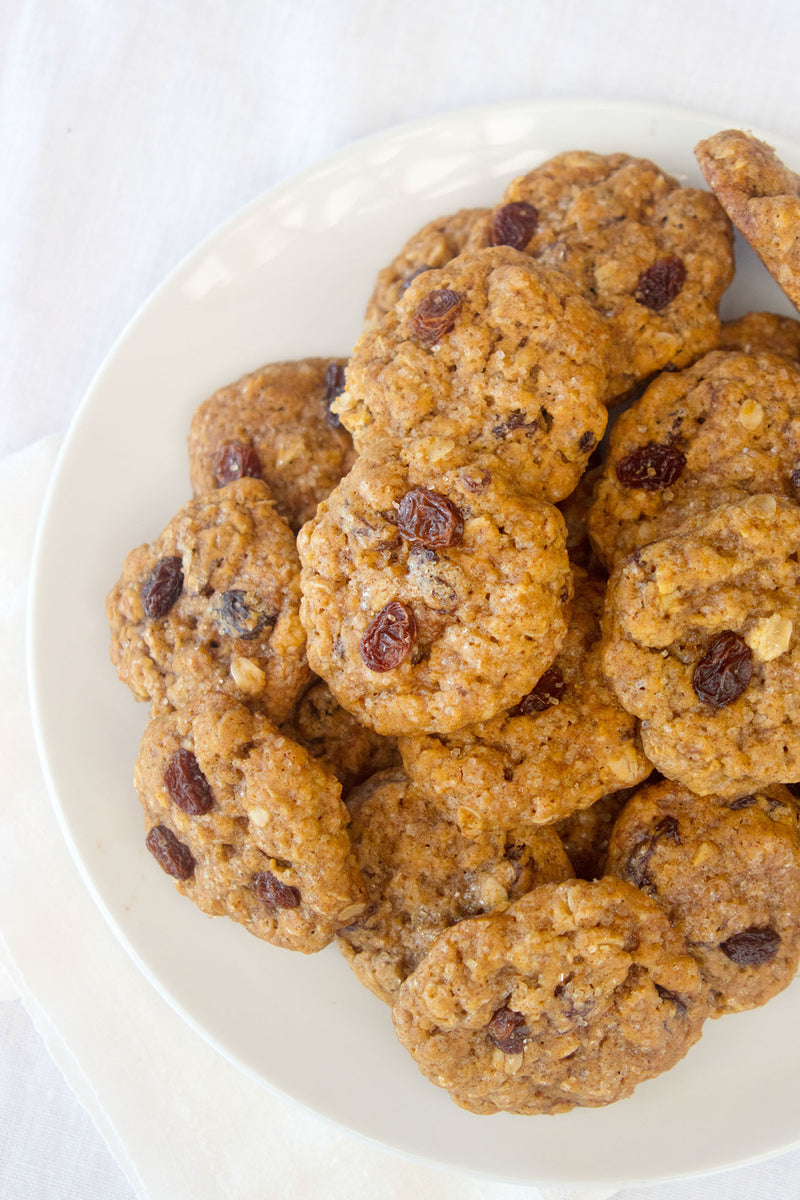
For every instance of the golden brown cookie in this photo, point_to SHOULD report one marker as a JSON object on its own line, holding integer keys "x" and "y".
{"x": 727, "y": 427}
{"x": 432, "y": 246}
{"x": 564, "y": 745}
{"x": 727, "y": 874}
{"x": 247, "y": 824}
{"x": 433, "y": 596}
{"x": 761, "y": 195}
{"x": 349, "y": 750}
{"x": 423, "y": 876}
{"x": 573, "y": 995}
{"x": 653, "y": 257}
{"x": 493, "y": 355}
{"x": 212, "y": 604}
{"x": 701, "y": 641}
{"x": 275, "y": 424}
{"x": 762, "y": 332}
{"x": 586, "y": 832}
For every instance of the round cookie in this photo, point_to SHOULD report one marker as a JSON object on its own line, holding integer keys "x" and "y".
{"x": 247, "y": 824}
{"x": 566, "y": 744}
{"x": 653, "y": 257}
{"x": 432, "y": 246}
{"x": 762, "y": 332}
{"x": 495, "y": 356}
{"x": 275, "y": 424}
{"x": 573, "y": 995}
{"x": 586, "y": 832}
{"x": 701, "y": 641}
{"x": 433, "y": 596}
{"x": 332, "y": 736}
{"x": 213, "y": 604}
{"x": 727, "y": 874}
{"x": 727, "y": 427}
{"x": 761, "y": 195}
{"x": 423, "y": 876}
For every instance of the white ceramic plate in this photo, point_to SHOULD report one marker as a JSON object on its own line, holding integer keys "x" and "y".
{"x": 289, "y": 277}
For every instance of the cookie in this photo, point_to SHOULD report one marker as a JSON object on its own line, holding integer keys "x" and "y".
{"x": 334, "y": 737}
{"x": 275, "y": 424}
{"x": 727, "y": 427}
{"x": 701, "y": 641}
{"x": 586, "y": 832}
{"x": 433, "y": 595}
{"x": 575, "y": 511}
{"x": 493, "y": 355}
{"x": 563, "y": 746}
{"x": 573, "y": 995}
{"x": 653, "y": 257}
{"x": 727, "y": 874}
{"x": 213, "y": 604}
{"x": 432, "y": 246}
{"x": 247, "y": 824}
{"x": 423, "y": 876}
{"x": 762, "y": 332}
{"x": 761, "y": 195}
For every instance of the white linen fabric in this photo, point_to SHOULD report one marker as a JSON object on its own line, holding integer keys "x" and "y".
{"x": 128, "y": 132}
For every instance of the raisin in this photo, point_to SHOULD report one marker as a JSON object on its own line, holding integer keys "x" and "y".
{"x": 666, "y": 994}
{"x": 272, "y": 892}
{"x": 651, "y": 467}
{"x": 430, "y": 518}
{"x": 517, "y": 419}
{"x": 187, "y": 785}
{"x": 409, "y": 279}
{"x": 162, "y": 587}
{"x": 724, "y": 671}
{"x": 436, "y": 315}
{"x": 587, "y": 442}
{"x": 547, "y": 692}
{"x": 660, "y": 283}
{"x": 796, "y": 478}
{"x": 508, "y": 1031}
{"x": 170, "y": 854}
{"x": 233, "y": 461}
{"x": 237, "y": 618}
{"x": 476, "y": 479}
{"x": 334, "y": 386}
{"x": 752, "y": 947}
{"x": 389, "y": 638}
{"x": 514, "y": 225}
{"x": 637, "y": 868}
{"x": 743, "y": 802}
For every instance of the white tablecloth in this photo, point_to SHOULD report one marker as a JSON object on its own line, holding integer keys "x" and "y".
{"x": 128, "y": 131}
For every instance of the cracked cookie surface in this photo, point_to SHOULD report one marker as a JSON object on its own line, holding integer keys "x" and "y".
{"x": 247, "y": 824}
{"x": 495, "y": 356}
{"x": 423, "y": 876}
{"x": 572, "y": 995}
{"x": 701, "y": 641}
{"x": 727, "y": 874}
{"x": 433, "y": 595}
{"x": 213, "y": 604}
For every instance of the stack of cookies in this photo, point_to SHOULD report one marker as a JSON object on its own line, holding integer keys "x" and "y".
{"x": 419, "y": 638}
